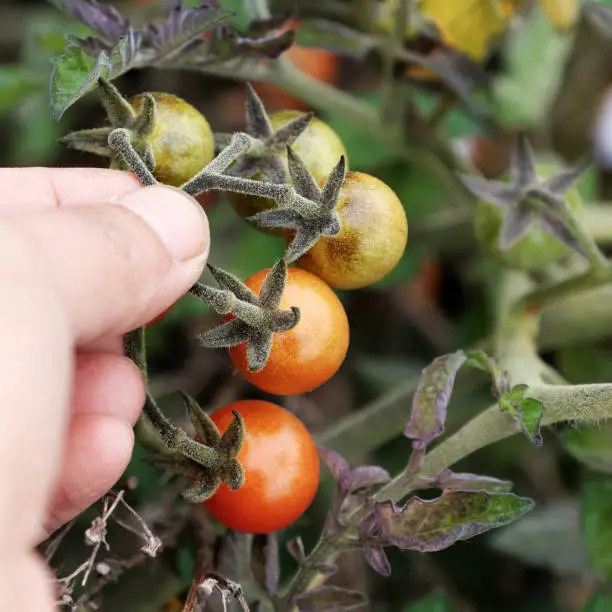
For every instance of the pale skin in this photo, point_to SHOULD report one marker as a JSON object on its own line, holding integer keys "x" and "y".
{"x": 81, "y": 263}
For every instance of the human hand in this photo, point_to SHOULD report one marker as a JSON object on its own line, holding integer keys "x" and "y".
{"x": 85, "y": 256}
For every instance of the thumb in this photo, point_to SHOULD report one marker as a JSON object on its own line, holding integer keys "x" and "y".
{"x": 114, "y": 265}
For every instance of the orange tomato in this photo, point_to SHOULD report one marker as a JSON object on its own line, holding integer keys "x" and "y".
{"x": 281, "y": 468}
{"x": 309, "y": 354}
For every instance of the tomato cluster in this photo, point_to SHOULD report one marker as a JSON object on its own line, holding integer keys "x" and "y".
{"x": 299, "y": 334}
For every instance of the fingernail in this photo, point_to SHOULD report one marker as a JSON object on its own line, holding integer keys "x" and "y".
{"x": 177, "y": 218}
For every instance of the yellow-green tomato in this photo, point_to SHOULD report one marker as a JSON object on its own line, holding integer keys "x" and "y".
{"x": 536, "y": 248}
{"x": 182, "y": 140}
{"x": 372, "y": 239}
{"x": 319, "y": 147}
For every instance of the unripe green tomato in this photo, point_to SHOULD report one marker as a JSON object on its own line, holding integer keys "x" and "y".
{"x": 182, "y": 140}
{"x": 537, "y": 248}
{"x": 320, "y": 149}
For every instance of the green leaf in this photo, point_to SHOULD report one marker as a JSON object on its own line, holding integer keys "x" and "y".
{"x": 596, "y": 523}
{"x": 592, "y": 445}
{"x": 527, "y": 410}
{"x": 16, "y": 84}
{"x": 436, "y": 602}
{"x": 75, "y": 73}
{"x": 601, "y": 601}
{"x": 436, "y": 524}
{"x": 524, "y": 93}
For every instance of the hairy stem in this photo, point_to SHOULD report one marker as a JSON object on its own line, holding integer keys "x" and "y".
{"x": 538, "y": 299}
{"x": 144, "y": 431}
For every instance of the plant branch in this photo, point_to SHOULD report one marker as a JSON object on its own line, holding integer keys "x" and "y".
{"x": 539, "y": 298}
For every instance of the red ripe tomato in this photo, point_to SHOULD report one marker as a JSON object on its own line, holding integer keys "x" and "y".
{"x": 281, "y": 468}
{"x": 309, "y": 354}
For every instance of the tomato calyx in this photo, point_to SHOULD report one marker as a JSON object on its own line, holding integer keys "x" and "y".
{"x": 311, "y": 218}
{"x": 121, "y": 115}
{"x": 206, "y": 479}
{"x": 528, "y": 199}
{"x": 256, "y": 318}
{"x": 265, "y": 155}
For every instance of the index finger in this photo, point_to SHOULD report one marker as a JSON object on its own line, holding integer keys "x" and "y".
{"x": 30, "y": 189}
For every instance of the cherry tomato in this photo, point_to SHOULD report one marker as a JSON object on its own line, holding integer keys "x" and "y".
{"x": 536, "y": 248}
{"x": 309, "y": 354}
{"x": 319, "y": 147}
{"x": 319, "y": 64}
{"x": 372, "y": 239}
{"x": 182, "y": 140}
{"x": 281, "y": 467}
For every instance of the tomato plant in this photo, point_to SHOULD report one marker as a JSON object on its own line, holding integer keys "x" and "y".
{"x": 253, "y": 464}
{"x": 281, "y": 470}
{"x": 319, "y": 147}
{"x": 373, "y": 235}
{"x": 308, "y": 355}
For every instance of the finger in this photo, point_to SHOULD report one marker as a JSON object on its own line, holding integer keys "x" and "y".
{"x": 34, "y": 394}
{"x": 108, "y": 384}
{"x": 97, "y": 451}
{"x": 26, "y": 583}
{"x": 106, "y": 344}
{"x": 29, "y": 189}
{"x": 114, "y": 267}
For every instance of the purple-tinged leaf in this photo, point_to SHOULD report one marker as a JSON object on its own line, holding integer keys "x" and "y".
{"x": 329, "y": 599}
{"x": 366, "y": 476}
{"x": 362, "y": 477}
{"x": 181, "y": 28}
{"x": 377, "y": 560}
{"x": 103, "y": 18}
{"x": 336, "y": 463}
{"x": 295, "y": 546}
{"x": 431, "y": 399}
{"x": 452, "y": 481}
{"x": 526, "y": 410}
{"x": 367, "y": 526}
{"x": 264, "y": 562}
{"x": 436, "y": 524}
